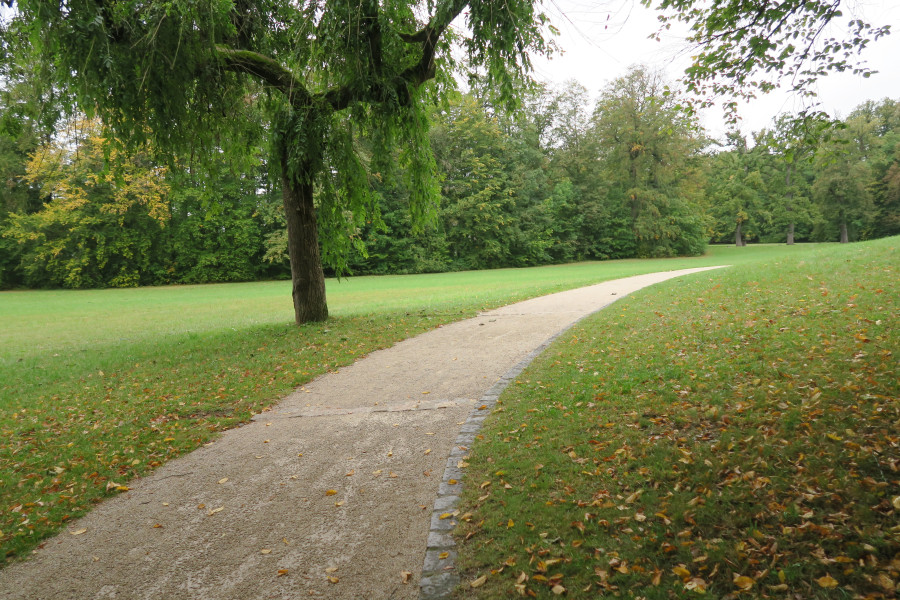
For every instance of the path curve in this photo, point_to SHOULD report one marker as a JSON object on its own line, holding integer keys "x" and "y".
{"x": 330, "y": 494}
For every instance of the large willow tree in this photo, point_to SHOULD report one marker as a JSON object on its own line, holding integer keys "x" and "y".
{"x": 188, "y": 76}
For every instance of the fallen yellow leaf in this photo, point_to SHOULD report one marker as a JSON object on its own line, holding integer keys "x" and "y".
{"x": 682, "y": 572}
{"x": 341, "y": 503}
{"x": 452, "y": 482}
{"x": 744, "y": 582}
{"x": 405, "y": 576}
{"x": 333, "y": 579}
{"x": 214, "y": 511}
{"x": 827, "y": 581}
{"x": 282, "y": 572}
{"x": 443, "y": 555}
{"x": 330, "y": 492}
{"x": 223, "y": 480}
{"x": 331, "y": 569}
{"x": 79, "y": 531}
{"x": 558, "y": 590}
{"x": 265, "y": 551}
{"x": 885, "y": 582}
{"x": 351, "y": 472}
{"x": 696, "y": 585}
{"x": 428, "y": 451}
{"x": 478, "y": 582}
{"x": 445, "y": 515}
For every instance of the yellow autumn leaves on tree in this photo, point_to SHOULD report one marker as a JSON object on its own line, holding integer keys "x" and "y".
{"x": 99, "y": 206}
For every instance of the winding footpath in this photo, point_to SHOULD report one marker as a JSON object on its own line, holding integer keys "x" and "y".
{"x": 334, "y": 493}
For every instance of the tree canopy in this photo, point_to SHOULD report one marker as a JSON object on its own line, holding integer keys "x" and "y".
{"x": 746, "y": 47}
{"x": 192, "y": 77}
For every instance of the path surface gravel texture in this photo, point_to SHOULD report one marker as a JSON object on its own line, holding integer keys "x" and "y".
{"x": 328, "y": 495}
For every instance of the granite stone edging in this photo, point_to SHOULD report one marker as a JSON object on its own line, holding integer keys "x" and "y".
{"x": 439, "y": 575}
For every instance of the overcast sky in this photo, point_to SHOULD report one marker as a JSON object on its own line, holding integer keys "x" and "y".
{"x": 602, "y": 38}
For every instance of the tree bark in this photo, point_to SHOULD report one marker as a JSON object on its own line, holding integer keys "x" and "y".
{"x": 307, "y": 278}
{"x": 738, "y": 240}
{"x": 844, "y": 237}
{"x": 790, "y": 198}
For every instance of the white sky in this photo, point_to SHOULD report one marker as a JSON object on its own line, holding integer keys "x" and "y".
{"x": 602, "y": 38}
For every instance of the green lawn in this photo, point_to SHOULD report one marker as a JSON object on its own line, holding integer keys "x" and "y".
{"x": 735, "y": 433}
{"x": 100, "y": 386}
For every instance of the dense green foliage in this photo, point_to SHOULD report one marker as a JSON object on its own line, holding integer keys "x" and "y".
{"x": 628, "y": 176}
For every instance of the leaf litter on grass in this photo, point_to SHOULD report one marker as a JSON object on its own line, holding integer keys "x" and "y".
{"x": 738, "y": 434}
{"x": 68, "y": 444}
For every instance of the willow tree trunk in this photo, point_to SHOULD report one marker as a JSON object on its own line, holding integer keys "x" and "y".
{"x": 307, "y": 278}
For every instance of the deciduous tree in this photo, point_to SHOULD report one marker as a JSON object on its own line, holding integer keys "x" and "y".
{"x": 183, "y": 73}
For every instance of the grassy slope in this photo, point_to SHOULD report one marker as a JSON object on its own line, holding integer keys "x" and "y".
{"x": 730, "y": 433}
{"x": 99, "y": 386}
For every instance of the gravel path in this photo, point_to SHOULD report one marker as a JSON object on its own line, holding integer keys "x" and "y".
{"x": 329, "y": 494}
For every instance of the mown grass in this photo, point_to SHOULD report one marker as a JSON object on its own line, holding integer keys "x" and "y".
{"x": 98, "y": 387}
{"x": 733, "y": 433}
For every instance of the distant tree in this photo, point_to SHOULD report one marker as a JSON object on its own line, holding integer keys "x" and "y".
{"x": 477, "y": 216}
{"x": 579, "y": 220}
{"x": 101, "y": 217}
{"x": 885, "y": 161}
{"x": 844, "y": 177}
{"x": 216, "y": 233}
{"x": 889, "y": 200}
{"x": 737, "y": 193}
{"x": 648, "y": 149}
{"x": 789, "y": 145}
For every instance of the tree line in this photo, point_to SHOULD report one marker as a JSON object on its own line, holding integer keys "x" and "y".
{"x": 564, "y": 179}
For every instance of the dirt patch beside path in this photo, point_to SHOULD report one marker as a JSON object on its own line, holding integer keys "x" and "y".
{"x": 327, "y": 495}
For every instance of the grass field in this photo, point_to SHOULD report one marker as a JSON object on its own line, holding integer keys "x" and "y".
{"x": 734, "y": 435}
{"x": 100, "y": 386}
